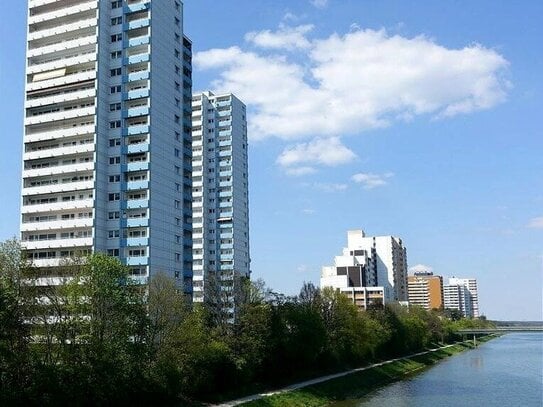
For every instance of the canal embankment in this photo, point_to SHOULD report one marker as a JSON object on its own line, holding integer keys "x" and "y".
{"x": 353, "y": 383}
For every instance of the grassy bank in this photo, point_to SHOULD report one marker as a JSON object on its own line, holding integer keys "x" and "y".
{"x": 358, "y": 384}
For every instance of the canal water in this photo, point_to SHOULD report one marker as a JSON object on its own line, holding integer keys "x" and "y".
{"x": 506, "y": 371}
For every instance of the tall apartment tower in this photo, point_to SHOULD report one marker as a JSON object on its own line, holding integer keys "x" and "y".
{"x": 425, "y": 290}
{"x": 379, "y": 262}
{"x": 220, "y": 192}
{"x": 107, "y": 143}
{"x": 461, "y": 294}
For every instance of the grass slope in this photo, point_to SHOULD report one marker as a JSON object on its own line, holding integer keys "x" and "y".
{"x": 358, "y": 384}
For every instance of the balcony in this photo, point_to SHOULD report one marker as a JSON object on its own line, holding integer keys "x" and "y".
{"x": 136, "y": 94}
{"x": 65, "y": 97}
{"x": 137, "y": 166}
{"x": 137, "y": 241}
{"x": 61, "y": 63}
{"x": 135, "y": 7}
{"x": 59, "y": 151}
{"x": 59, "y": 169}
{"x": 59, "y": 133}
{"x": 56, "y": 188}
{"x": 137, "y": 222}
{"x": 137, "y": 129}
{"x": 135, "y": 42}
{"x": 138, "y": 76}
{"x": 57, "y": 224}
{"x": 131, "y": 25}
{"x": 62, "y": 80}
{"x": 61, "y": 29}
{"x": 137, "y": 148}
{"x": 135, "y": 59}
{"x": 62, "y": 46}
{"x": 58, "y": 206}
{"x": 58, "y": 243}
{"x": 135, "y": 185}
{"x": 137, "y": 203}
{"x": 137, "y": 261}
{"x": 91, "y": 5}
{"x": 62, "y": 115}
{"x": 136, "y": 111}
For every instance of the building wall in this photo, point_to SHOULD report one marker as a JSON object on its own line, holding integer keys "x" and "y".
{"x": 220, "y": 189}
{"x": 107, "y": 136}
{"x": 426, "y": 291}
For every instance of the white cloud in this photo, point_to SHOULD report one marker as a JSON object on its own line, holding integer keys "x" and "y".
{"x": 329, "y": 152}
{"x": 345, "y": 84}
{"x": 309, "y": 211}
{"x": 299, "y": 171}
{"x": 328, "y": 187}
{"x": 370, "y": 181}
{"x": 536, "y": 223}
{"x": 303, "y": 268}
{"x": 288, "y": 38}
{"x": 319, "y": 3}
{"x": 420, "y": 268}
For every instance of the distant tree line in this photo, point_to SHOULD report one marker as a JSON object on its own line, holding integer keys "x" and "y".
{"x": 101, "y": 339}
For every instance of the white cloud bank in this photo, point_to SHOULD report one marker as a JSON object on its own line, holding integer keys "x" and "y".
{"x": 348, "y": 83}
{"x": 299, "y": 87}
{"x": 319, "y": 3}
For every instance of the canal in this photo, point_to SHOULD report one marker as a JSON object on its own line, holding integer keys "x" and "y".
{"x": 506, "y": 371}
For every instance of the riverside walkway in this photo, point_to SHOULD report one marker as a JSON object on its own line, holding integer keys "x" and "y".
{"x": 321, "y": 379}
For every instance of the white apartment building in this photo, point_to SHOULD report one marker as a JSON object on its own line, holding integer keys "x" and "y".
{"x": 461, "y": 294}
{"x": 220, "y": 191}
{"x": 379, "y": 262}
{"x": 107, "y": 143}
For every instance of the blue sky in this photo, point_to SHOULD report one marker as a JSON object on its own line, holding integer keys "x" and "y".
{"x": 420, "y": 120}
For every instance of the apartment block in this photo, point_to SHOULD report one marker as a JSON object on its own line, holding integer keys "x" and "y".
{"x": 425, "y": 290}
{"x": 372, "y": 270}
{"x": 462, "y": 294}
{"x": 220, "y": 193}
{"x": 107, "y": 139}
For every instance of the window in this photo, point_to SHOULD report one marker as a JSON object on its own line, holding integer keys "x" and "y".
{"x": 178, "y": 221}
{"x": 114, "y": 142}
{"x": 114, "y": 197}
{"x": 116, "y": 54}
{"x": 114, "y": 106}
{"x": 113, "y": 252}
{"x": 177, "y": 239}
{"x": 177, "y": 136}
{"x": 177, "y": 37}
{"x": 177, "y": 21}
{"x": 115, "y": 89}
{"x": 113, "y": 215}
{"x": 178, "y": 257}
{"x": 115, "y": 124}
{"x": 116, "y": 37}
{"x": 176, "y": 204}
{"x": 115, "y": 72}
{"x": 177, "y": 86}
{"x": 176, "y": 53}
{"x": 116, "y": 4}
{"x": 116, "y": 20}
{"x": 112, "y": 234}
{"x": 177, "y": 170}
{"x": 114, "y": 178}
{"x": 177, "y": 101}
{"x": 176, "y": 119}
{"x": 114, "y": 160}
{"x": 176, "y": 152}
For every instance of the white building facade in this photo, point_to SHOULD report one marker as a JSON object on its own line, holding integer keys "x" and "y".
{"x": 107, "y": 143}
{"x": 462, "y": 294}
{"x": 220, "y": 191}
{"x": 377, "y": 262}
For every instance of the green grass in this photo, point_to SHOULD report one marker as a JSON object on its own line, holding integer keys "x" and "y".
{"x": 358, "y": 384}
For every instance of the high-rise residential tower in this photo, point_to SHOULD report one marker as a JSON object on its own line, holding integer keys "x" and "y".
{"x": 425, "y": 290}
{"x": 376, "y": 262}
{"x": 107, "y": 143}
{"x": 462, "y": 294}
{"x": 220, "y": 192}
